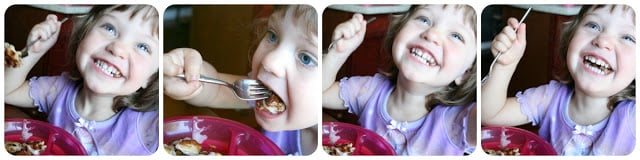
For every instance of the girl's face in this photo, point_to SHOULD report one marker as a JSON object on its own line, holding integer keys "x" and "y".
{"x": 435, "y": 46}
{"x": 119, "y": 53}
{"x": 286, "y": 61}
{"x": 601, "y": 56}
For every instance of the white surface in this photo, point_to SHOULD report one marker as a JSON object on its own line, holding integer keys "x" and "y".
{"x": 64, "y": 9}
{"x": 552, "y": 9}
{"x": 374, "y": 9}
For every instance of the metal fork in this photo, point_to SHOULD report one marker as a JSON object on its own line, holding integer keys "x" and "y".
{"x": 244, "y": 89}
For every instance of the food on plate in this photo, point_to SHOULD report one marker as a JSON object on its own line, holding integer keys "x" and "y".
{"x": 12, "y": 58}
{"x": 26, "y": 148}
{"x": 273, "y": 104}
{"x": 503, "y": 152}
{"x": 187, "y": 147}
{"x": 342, "y": 149}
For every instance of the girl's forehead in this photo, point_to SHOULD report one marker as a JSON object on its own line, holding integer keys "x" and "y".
{"x": 462, "y": 14}
{"x": 301, "y": 24}
{"x": 613, "y": 11}
{"x": 144, "y": 17}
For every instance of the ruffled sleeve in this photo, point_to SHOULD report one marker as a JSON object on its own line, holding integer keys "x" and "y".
{"x": 45, "y": 90}
{"x": 535, "y": 101}
{"x": 356, "y": 91}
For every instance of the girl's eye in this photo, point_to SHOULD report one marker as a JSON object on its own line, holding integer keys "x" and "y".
{"x": 307, "y": 60}
{"x": 143, "y": 47}
{"x": 110, "y": 29}
{"x": 457, "y": 36}
{"x": 593, "y": 26}
{"x": 271, "y": 36}
{"x": 629, "y": 38}
{"x": 424, "y": 20}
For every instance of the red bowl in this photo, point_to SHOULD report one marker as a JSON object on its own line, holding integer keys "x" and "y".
{"x": 364, "y": 141}
{"x": 527, "y": 142}
{"x": 57, "y": 140}
{"x": 219, "y": 135}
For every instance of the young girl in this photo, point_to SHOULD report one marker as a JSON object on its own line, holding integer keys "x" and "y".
{"x": 286, "y": 61}
{"x": 109, "y": 102}
{"x": 425, "y": 105}
{"x": 593, "y": 111}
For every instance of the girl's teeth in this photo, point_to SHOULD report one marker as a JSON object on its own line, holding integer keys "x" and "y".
{"x": 425, "y": 57}
{"x": 110, "y": 70}
{"x": 597, "y": 65}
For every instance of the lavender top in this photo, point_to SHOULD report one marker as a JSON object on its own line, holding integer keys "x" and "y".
{"x": 288, "y": 141}
{"x": 548, "y": 106}
{"x": 441, "y": 132}
{"x": 128, "y": 132}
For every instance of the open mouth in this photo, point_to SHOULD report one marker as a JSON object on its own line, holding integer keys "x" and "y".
{"x": 424, "y": 57}
{"x": 108, "y": 69}
{"x": 273, "y": 104}
{"x": 597, "y": 65}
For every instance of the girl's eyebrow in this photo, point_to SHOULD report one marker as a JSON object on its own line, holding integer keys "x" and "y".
{"x": 311, "y": 39}
{"x": 313, "y": 43}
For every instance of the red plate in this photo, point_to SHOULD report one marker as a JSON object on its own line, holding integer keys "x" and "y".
{"x": 57, "y": 140}
{"x": 219, "y": 135}
{"x": 366, "y": 142}
{"x": 529, "y": 143}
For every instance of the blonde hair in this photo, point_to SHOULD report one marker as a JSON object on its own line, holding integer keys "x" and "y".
{"x": 453, "y": 95}
{"x": 566, "y": 36}
{"x": 144, "y": 99}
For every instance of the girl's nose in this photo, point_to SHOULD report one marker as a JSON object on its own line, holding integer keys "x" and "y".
{"x": 274, "y": 62}
{"x": 603, "y": 41}
{"x": 432, "y": 35}
{"x": 118, "y": 49}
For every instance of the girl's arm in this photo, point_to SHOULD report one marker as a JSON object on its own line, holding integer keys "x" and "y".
{"x": 497, "y": 108}
{"x": 189, "y": 62}
{"x": 16, "y": 87}
{"x": 350, "y": 35}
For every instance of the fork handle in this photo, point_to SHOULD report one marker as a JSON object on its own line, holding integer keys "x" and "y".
{"x": 207, "y": 79}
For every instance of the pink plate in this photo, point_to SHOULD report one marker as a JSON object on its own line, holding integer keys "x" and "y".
{"x": 364, "y": 141}
{"x": 57, "y": 140}
{"x": 219, "y": 135}
{"x": 529, "y": 143}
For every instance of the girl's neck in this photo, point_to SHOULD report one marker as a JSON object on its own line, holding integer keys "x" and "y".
{"x": 408, "y": 100}
{"x": 92, "y": 106}
{"x": 588, "y": 110}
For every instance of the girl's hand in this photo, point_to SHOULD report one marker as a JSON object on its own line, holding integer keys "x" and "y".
{"x": 509, "y": 43}
{"x": 45, "y": 34}
{"x": 349, "y": 34}
{"x": 178, "y": 61}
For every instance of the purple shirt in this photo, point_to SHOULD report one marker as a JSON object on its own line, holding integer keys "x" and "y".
{"x": 288, "y": 141}
{"x": 441, "y": 132}
{"x": 548, "y": 105}
{"x": 128, "y": 132}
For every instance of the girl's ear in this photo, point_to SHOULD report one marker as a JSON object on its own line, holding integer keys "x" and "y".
{"x": 145, "y": 85}
{"x": 463, "y": 77}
